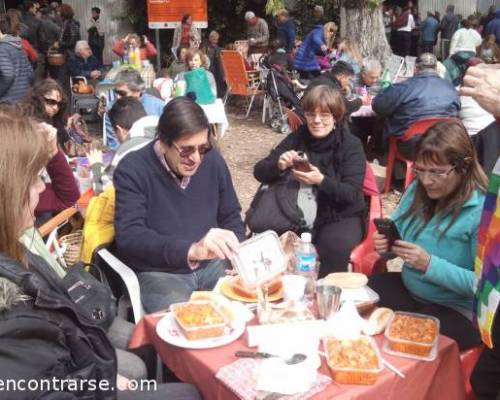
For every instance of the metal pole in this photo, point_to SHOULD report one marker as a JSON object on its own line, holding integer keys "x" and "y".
{"x": 158, "y": 56}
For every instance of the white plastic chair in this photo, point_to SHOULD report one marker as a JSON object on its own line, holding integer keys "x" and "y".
{"x": 130, "y": 280}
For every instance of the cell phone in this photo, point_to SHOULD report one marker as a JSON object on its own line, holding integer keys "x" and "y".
{"x": 387, "y": 227}
{"x": 301, "y": 164}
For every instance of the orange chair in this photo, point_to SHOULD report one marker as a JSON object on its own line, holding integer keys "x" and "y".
{"x": 417, "y": 128}
{"x": 363, "y": 257}
{"x": 239, "y": 81}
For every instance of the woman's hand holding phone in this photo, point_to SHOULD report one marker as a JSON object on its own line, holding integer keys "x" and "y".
{"x": 286, "y": 159}
{"x": 412, "y": 254}
{"x": 313, "y": 177}
{"x": 381, "y": 243}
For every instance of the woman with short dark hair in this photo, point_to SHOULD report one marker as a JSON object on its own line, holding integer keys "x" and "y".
{"x": 437, "y": 219}
{"x": 337, "y": 169}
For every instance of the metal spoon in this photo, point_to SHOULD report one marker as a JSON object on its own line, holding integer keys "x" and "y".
{"x": 294, "y": 359}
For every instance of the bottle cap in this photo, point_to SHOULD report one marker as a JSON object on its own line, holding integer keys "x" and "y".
{"x": 306, "y": 237}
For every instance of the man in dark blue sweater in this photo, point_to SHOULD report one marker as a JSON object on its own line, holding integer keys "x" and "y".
{"x": 177, "y": 215}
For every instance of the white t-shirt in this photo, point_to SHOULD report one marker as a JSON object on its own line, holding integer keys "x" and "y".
{"x": 409, "y": 26}
{"x": 465, "y": 40}
{"x": 473, "y": 116}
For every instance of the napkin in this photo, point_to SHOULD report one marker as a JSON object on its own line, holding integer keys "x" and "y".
{"x": 240, "y": 378}
{"x": 274, "y": 375}
{"x": 346, "y": 323}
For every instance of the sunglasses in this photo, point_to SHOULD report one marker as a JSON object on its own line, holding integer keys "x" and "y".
{"x": 121, "y": 93}
{"x": 52, "y": 102}
{"x": 186, "y": 151}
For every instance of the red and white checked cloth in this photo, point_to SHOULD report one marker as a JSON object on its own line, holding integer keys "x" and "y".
{"x": 240, "y": 377}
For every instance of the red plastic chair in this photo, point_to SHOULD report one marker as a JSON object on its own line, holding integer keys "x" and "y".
{"x": 294, "y": 121}
{"x": 417, "y": 128}
{"x": 469, "y": 359}
{"x": 363, "y": 257}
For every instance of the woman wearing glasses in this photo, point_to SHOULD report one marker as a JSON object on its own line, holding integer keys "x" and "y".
{"x": 438, "y": 219}
{"x": 337, "y": 170}
{"x": 46, "y": 102}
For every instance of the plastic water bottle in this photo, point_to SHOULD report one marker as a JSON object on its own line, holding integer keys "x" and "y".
{"x": 386, "y": 79}
{"x": 306, "y": 265}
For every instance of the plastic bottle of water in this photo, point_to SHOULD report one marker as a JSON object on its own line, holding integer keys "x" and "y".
{"x": 306, "y": 265}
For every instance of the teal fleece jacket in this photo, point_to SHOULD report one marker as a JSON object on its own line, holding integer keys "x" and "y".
{"x": 449, "y": 279}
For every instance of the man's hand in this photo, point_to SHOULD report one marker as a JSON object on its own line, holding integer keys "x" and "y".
{"x": 286, "y": 159}
{"x": 313, "y": 177}
{"x": 94, "y": 156}
{"x": 413, "y": 254}
{"x": 95, "y": 74}
{"x": 217, "y": 243}
{"x": 122, "y": 383}
{"x": 483, "y": 85}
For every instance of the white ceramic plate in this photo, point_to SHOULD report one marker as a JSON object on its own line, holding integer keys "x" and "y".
{"x": 168, "y": 330}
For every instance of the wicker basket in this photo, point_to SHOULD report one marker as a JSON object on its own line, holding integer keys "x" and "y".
{"x": 73, "y": 244}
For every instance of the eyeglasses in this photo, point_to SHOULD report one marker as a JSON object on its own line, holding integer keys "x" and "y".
{"x": 186, "y": 151}
{"x": 121, "y": 93}
{"x": 52, "y": 102}
{"x": 432, "y": 173}
{"x": 324, "y": 117}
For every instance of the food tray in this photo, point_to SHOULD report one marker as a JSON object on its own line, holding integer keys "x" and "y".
{"x": 199, "y": 329}
{"x": 354, "y": 376}
{"x": 411, "y": 347}
{"x": 260, "y": 259}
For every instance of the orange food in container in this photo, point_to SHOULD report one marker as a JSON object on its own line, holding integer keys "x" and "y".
{"x": 412, "y": 333}
{"x": 199, "y": 319}
{"x": 353, "y": 362}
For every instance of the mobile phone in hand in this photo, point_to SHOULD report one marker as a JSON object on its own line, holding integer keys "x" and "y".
{"x": 387, "y": 227}
{"x": 301, "y": 164}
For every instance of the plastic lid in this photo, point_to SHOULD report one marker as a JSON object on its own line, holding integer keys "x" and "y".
{"x": 306, "y": 237}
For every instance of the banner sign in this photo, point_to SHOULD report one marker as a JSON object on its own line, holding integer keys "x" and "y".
{"x": 167, "y": 14}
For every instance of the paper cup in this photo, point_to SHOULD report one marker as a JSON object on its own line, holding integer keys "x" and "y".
{"x": 294, "y": 287}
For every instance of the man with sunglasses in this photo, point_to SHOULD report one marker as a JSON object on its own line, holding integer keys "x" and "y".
{"x": 177, "y": 218}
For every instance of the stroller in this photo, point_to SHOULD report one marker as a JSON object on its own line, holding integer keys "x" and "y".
{"x": 279, "y": 90}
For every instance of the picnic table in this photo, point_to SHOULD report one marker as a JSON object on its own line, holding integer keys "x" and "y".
{"x": 438, "y": 379}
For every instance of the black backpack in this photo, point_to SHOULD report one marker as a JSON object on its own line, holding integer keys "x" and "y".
{"x": 275, "y": 207}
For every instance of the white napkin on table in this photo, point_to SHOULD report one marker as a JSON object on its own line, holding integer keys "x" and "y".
{"x": 273, "y": 375}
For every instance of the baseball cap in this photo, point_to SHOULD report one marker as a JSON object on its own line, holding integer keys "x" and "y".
{"x": 249, "y": 15}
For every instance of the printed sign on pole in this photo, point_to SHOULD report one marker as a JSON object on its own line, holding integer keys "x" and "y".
{"x": 167, "y": 14}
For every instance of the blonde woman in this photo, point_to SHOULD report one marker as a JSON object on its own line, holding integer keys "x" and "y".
{"x": 43, "y": 333}
{"x": 316, "y": 42}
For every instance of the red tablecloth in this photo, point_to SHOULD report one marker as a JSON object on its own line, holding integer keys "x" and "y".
{"x": 439, "y": 379}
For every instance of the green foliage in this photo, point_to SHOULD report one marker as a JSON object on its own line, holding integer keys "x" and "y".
{"x": 273, "y": 6}
{"x": 372, "y": 4}
{"x": 302, "y": 13}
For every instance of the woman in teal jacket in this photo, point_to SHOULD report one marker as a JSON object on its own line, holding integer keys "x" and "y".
{"x": 438, "y": 219}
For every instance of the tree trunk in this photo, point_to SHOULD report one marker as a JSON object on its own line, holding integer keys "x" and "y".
{"x": 366, "y": 27}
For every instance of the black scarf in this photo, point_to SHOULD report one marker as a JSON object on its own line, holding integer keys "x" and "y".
{"x": 317, "y": 150}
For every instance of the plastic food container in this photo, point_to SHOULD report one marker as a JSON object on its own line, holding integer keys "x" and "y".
{"x": 419, "y": 348}
{"x": 260, "y": 259}
{"x": 353, "y": 375}
{"x": 199, "y": 319}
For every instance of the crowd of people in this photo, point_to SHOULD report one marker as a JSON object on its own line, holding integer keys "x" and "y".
{"x": 177, "y": 217}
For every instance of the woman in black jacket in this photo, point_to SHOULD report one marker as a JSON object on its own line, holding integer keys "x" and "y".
{"x": 337, "y": 163}
{"x": 48, "y": 348}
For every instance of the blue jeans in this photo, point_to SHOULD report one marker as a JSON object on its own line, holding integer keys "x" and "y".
{"x": 160, "y": 289}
